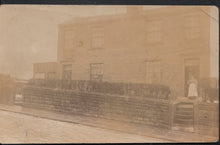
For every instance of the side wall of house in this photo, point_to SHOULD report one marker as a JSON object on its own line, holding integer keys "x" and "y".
{"x": 45, "y": 70}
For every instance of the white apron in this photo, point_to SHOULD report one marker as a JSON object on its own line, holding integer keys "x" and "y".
{"x": 192, "y": 90}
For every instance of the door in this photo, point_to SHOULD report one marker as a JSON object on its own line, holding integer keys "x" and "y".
{"x": 191, "y": 69}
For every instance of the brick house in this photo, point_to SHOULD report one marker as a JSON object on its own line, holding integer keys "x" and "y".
{"x": 163, "y": 45}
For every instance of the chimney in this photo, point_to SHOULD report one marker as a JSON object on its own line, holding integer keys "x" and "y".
{"x": 134, "y": 10}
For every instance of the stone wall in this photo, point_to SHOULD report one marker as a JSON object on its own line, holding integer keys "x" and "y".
{"x": 142, "y": 110}
{"x": 208, "y": 119}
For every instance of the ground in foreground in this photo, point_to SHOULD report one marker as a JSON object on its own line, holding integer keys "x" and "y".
{"x": 20, "y": 128}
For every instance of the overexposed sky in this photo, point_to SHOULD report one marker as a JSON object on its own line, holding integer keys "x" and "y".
{"x": 28, "y": 33}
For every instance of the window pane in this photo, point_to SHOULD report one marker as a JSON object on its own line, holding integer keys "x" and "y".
{"x": 97, "y": 37}
{"x": 39, "y": 75}
{"x": 96, "y": 71}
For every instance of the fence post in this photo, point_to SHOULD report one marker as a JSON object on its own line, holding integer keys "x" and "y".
{"x": 172, "y": 112}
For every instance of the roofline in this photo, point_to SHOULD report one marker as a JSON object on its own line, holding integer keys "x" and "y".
{"x": 81, "y": 19}
{"x": 145, "y": 12}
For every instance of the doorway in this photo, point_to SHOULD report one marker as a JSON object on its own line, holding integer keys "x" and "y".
{"x": 191, "y": 68}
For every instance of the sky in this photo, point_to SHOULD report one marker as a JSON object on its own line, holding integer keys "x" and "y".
{"x": 29, "y": 33}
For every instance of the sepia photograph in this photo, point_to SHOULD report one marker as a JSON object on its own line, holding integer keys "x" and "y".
{"x": 109, "y": 73}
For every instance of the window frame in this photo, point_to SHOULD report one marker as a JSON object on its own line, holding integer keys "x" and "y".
{"x": 192, "y": 26}
{"x": 154, "y": 28}
{"x": 97, "y": 37}
{"x": 100, "y": 72}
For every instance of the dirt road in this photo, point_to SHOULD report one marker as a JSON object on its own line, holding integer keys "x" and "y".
{"x": 20, "y": 128}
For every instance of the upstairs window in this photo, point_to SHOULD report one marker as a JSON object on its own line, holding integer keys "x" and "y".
{"x": 192, "y": 26}
{"x": 97, "y": 40}
{"x": 153, "y": 31}
{"x": 96, "y": 71}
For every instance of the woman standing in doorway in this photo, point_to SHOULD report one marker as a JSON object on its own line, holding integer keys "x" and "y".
{"x": 193, "y": 91}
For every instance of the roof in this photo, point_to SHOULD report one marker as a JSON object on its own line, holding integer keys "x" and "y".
{"x": 107, "y": 17}
{"x": 147, "y": 11}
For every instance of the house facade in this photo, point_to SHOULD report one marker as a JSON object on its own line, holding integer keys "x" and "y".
{"x": 165, "y": 45}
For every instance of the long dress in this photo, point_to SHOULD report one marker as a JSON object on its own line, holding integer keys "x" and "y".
{"x": 193, "y": 92}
